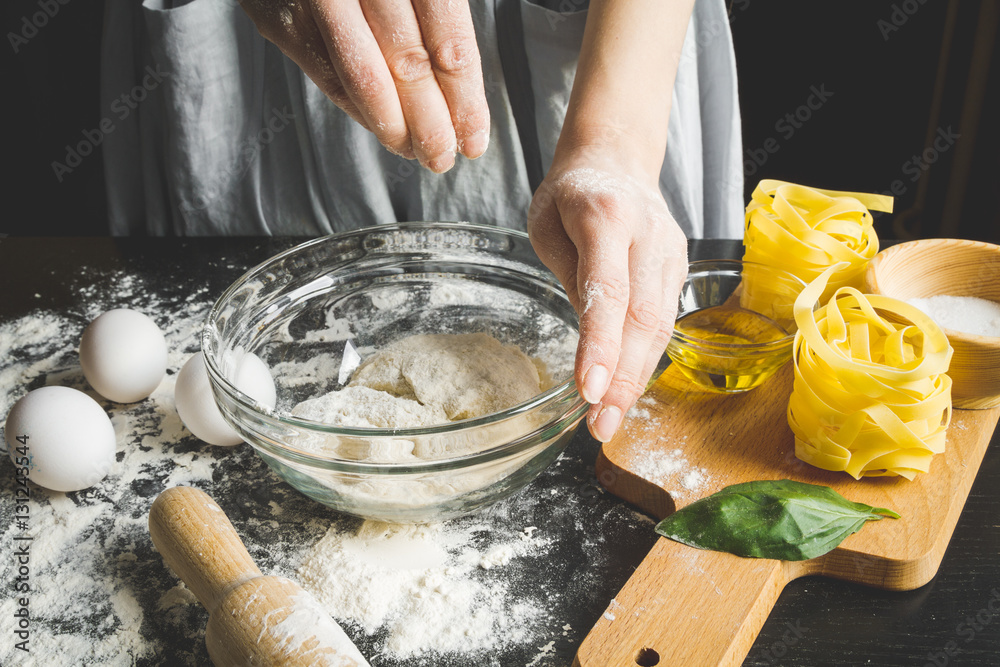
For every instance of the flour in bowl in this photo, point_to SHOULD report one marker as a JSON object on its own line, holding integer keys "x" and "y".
{"x": 358, "y": 406}
{"x": 429, "y": 379}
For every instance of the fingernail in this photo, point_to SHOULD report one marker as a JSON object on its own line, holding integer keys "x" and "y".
{"x": 441, "y": 163}
{"x": 476, "y": 145}
{"x": 607, "y": 423}
{"x": 595, "y": 383}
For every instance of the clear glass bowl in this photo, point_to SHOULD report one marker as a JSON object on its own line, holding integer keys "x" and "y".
{"x": 735, "y": 325}
{"x": 304, "y": 310}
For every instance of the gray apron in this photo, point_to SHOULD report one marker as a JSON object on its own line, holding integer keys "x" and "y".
{"x": 216, "y": 132}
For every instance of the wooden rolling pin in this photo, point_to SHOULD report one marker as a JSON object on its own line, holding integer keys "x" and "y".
{"x": 253, "y": 619}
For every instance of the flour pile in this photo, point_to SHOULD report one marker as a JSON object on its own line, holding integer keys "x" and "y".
{"x": 427, "y": 380}
{"x": 430, "y": 379}
{"x": 426, "y": 587}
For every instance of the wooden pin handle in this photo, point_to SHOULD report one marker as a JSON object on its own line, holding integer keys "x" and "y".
{"x": 198, "y": 542}
{"x": 685, "y": 606}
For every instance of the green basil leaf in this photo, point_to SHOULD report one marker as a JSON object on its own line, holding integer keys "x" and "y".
{"x": 780, "y": 519}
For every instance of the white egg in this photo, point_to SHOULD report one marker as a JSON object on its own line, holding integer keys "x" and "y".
{"x": 196, "y": 403}
{"x": 62, "y": 436}
{"x": 123, "y": 355}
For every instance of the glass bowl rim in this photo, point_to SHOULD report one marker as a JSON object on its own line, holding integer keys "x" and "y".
{"x": 724, "y": 264}
{"x": 245, "y": 403}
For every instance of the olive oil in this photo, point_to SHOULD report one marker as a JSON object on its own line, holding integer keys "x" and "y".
{"x": 728, "y": 349}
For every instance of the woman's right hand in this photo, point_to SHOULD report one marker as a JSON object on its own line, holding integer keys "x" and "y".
{"x": 601, "y": 225}
{"x": 409, "y": 72}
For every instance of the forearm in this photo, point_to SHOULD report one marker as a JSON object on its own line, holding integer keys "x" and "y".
{"x": 625, "y": 78}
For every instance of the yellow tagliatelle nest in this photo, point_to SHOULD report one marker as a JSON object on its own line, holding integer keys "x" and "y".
{"x": 870, "y": 395}
{"x": 806, "y": 230}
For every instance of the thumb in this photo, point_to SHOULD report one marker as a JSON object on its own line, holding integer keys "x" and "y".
{"x": 552, "y": 245}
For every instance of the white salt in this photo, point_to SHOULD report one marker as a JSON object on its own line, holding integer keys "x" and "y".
{"x": 967, "y": 314}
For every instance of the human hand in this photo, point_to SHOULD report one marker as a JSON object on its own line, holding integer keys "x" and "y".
{"x": 606, "y": 233}
{"x": 409, "y": 72}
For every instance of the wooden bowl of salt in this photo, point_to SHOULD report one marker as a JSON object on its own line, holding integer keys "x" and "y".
{"x": 957, "y": 283}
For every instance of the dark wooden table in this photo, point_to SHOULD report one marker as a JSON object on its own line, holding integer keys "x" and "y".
{"x": 953, "y": 620}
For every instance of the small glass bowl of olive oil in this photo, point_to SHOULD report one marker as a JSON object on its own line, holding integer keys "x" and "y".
{"x": 734, "y": 325}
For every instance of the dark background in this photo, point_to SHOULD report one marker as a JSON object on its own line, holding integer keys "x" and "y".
{"x": 898, "y": 72}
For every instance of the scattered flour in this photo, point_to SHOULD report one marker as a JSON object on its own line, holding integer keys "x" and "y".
{"x": 82, "y": 545}
{"x": 336, "y": 329}
{"x": 693, "y": 480}
{"x": 544, "y": 651}
{"x": 314, "y": 370}
{"x": 593, "y": 292}
{"x": 635, "y": 412}
{"x": 669, "y": 469}
{"x": 659, "y": 466}
{"x": 390, "y": 299}
{"x": 661, "y": 459}
{"x": 453, "y": 294}
{"x": 451, "y": 595}
{"x": 420, "y": 585}
{"x": 309, "y": 632}
{"x": 609, "y": 613}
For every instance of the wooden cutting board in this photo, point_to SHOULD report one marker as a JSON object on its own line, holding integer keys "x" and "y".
{"x": 685, "y": 606}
